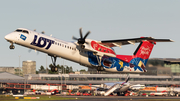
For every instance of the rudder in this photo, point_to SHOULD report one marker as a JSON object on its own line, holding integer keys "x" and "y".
{"x": 142, "y": 53}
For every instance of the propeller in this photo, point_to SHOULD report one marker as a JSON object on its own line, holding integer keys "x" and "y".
{"x": 81, "y": 40}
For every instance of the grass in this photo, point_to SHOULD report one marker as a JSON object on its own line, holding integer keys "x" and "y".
{"x": 42, "y": 97}
{"x": 46, "y": 97}
{"x": 159, "y": 99}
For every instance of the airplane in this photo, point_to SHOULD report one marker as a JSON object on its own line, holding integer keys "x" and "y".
{"x": 87, "y": 52}
{"x": 110, "y": 87}
{"x": 119, "y": 87}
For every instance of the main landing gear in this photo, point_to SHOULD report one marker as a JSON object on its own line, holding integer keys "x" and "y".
{"x": 100, "y": 68}
{"x": 54, "y": 67}
{"x": 11, "y": 46}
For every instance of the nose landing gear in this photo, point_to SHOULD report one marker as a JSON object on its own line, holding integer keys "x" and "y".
{"x": 11, "y": 46}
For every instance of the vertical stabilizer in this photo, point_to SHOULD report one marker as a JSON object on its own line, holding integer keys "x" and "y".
{"x": 144, "y": 49}
{"x": 142, "y": 53}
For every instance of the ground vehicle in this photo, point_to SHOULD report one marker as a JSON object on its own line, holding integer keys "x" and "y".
{"x": 158, "y": 94}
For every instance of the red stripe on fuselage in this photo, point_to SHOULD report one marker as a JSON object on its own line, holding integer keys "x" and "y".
{"x": 126, "y": 58}
{"x": 101, "y": 48}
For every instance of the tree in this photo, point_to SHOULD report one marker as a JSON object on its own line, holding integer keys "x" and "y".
{"x": 82, "y": 70}
{"x": 70, "y": 69}
{"x": 37, "y": 72}
{"x": 42, "y": 68}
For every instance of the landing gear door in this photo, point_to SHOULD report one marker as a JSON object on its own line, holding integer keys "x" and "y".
{"x": 93, "y": 59}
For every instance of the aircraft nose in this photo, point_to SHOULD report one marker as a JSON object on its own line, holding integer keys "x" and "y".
{"x": 8, "y": 37}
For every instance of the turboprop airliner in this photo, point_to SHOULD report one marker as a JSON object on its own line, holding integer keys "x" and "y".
{"x": 87, "y": 52}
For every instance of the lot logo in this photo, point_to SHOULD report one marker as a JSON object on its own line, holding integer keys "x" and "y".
{"x": 23, "y": 37}
{"x": 42, "y": 42}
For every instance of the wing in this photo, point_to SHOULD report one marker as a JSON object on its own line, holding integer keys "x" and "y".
{"x": 120, "y": 42}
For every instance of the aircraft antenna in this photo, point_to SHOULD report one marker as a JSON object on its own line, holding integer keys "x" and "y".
{"x": 43, "y": 32}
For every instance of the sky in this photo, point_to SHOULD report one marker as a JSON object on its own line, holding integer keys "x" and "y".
{"x": 106, "y": 19}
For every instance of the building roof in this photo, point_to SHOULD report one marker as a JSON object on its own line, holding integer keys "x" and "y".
{"x": 6, "y": 76}
{"x": 168, "y": 60}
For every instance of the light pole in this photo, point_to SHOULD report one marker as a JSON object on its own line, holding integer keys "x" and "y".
{"x": 19, "y": 64}
{"x": 46, "y": 65}
{"x": 65, "y": 74}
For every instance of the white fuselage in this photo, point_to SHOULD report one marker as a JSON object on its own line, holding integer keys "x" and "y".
{"x": 53, "y": 46}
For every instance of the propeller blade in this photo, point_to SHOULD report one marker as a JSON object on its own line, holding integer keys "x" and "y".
{"x": 74, "y": 38}
{"x": 80, "y": 31}
{"x": 87, "y": 34}
{"x": 81, "y": 40}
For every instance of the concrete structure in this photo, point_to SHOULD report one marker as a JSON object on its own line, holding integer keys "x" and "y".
{"x": 18, "y": 71}
{"x": 174, "y": 64}
{"x": 29, "y": 67}
{"x": 158, "y": 70}
{"x": 12, "y": 70}
{"x": 8, "y": 69}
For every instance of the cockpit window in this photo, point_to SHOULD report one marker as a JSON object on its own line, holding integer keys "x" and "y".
{"x": 18, "y": 30}
{"x": 24, "y": 31}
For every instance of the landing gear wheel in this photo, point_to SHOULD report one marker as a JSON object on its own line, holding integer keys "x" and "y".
{"x": 54, "y": 69}
{"x": 11, "y": 46}
{"x": 100, "y": 69}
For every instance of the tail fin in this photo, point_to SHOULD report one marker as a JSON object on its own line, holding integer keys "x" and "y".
{"x": 142, "y": 53}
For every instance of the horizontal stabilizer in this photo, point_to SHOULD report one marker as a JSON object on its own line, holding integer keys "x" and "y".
{"x": 120, "y": 42}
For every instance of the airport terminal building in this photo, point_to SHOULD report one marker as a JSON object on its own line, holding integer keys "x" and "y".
{"x": 16, "y": 84}
{"x": 103, "y": 78}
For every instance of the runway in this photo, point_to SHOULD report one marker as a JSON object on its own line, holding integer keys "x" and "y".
{"x": 122, "y": 98}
